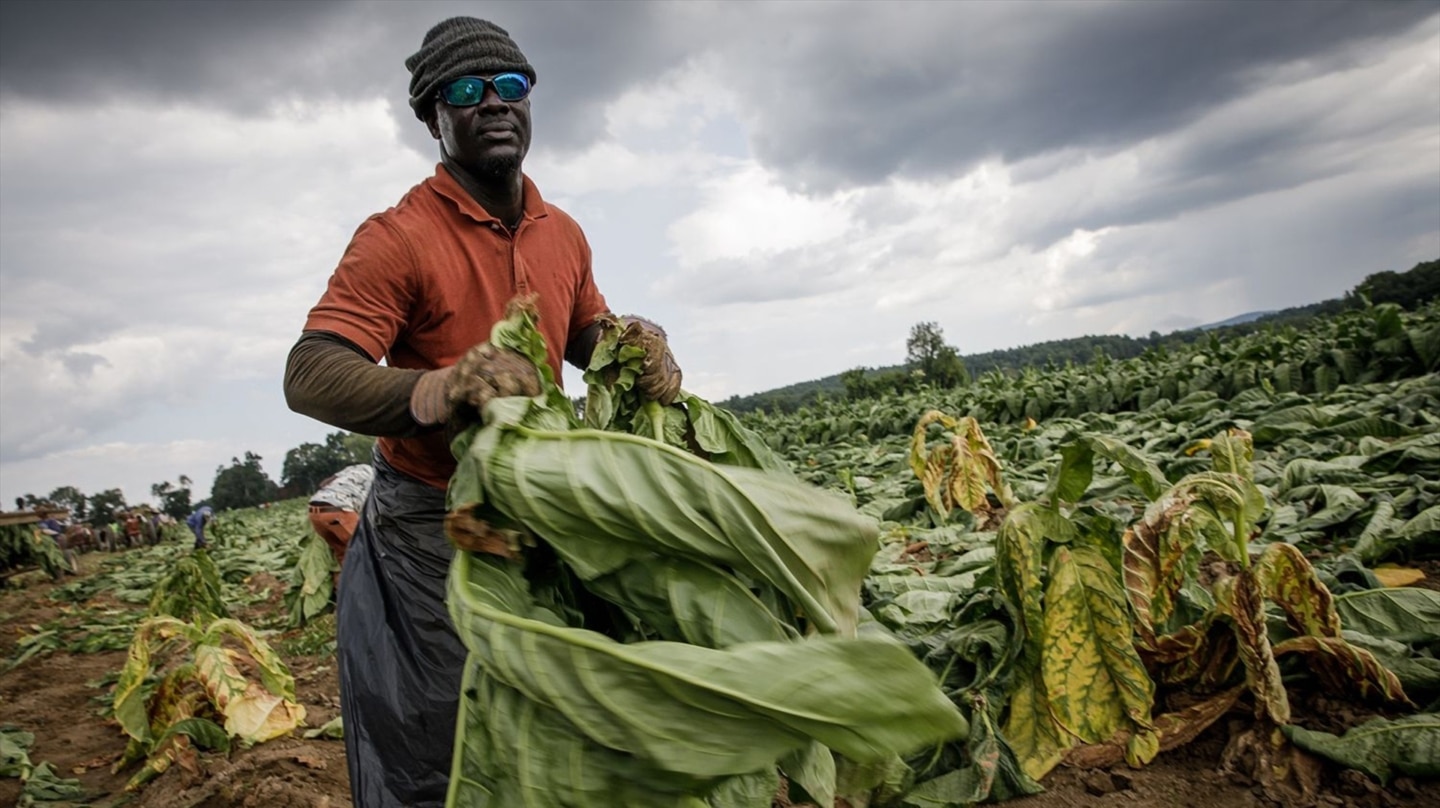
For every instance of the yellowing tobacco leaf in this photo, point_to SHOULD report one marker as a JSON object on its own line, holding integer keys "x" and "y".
{"x": 958, "y": 472}
{"x": 252, "y": 713}
{"x": 1035, "y": 738}
{"x": 1285, "y": 577}
{"x": 1093, "y": 677}
{"x": 1398, "y": 576}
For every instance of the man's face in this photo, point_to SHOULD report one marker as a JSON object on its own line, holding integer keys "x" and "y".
{"x": 490, "y": 138}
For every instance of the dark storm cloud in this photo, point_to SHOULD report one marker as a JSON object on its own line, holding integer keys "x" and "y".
{"x": 888, "y": 90}
{"x": 245, "y": 57}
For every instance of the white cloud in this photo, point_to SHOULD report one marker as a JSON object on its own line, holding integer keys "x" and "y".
{"x": 189, "y": 262}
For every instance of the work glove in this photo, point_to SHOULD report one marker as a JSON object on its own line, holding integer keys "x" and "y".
{"x": 660, "y": 374}
{"x": 457, "y": 395}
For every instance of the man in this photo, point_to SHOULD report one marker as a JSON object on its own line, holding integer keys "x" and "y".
{"x": 197, "y": 522}
{"x": 335, "y": 506}
{"x": 421, "y": 285}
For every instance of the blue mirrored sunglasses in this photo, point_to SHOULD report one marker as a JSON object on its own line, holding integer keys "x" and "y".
{"x": 467, "y": 91}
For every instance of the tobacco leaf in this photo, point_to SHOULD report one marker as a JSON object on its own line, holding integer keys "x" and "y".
{"x": 1344, "y": 668}
{"x": 1093, "y": 677}
{"x": 1039, "y": 742}
{"x": 1380, "y": 747}
{"x": 1172, "y": 730}
{"x": 1285, "y": 577}
{"x": 1154, "y": 554}
{"x": 1245, "y": 607}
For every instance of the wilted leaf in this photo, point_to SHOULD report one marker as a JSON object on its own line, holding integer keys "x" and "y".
{"x": 1343, "y": 668}
{"x": 1284, "y": 575}
{"x": 1245, "y": 607}
{"x": 1172, "y": 730}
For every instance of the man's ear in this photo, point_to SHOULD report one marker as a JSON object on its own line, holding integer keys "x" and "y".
{"x": 430, "y": 120}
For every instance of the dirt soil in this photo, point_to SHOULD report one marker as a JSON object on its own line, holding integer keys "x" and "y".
{"x": 55, "y": 696}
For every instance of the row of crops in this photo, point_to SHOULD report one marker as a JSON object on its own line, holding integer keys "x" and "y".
{"x": 1099, "y": 562}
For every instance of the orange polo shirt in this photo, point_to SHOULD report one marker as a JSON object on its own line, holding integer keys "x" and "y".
{"x": 423, "y": 282}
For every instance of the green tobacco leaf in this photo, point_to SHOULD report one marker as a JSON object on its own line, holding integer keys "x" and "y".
{"x": 1425, "y": 525}
{"x": 1285, "y": 576}
{"x": 1095, "y": 682}
{"x": 1077, "y": 468}
{"x": 130, "y": 697}
{"x": 334, "y": 730}
{"x": 1343, "y": 668}
{"x": 1402, "y": 614}
{"x": 1380, "y": 747}
{"x": 311, "y": 581}
{"x": 726, "y": 440}
{"x": 664, "y": 715}
{"x": 1233, "y": 452}
{"x": 604, "y": 499}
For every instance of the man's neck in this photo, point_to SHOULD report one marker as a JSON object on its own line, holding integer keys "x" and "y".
{"x": 502, "y": 196}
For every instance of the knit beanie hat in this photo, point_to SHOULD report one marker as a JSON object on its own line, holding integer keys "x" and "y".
{"x": 461, "y": 46}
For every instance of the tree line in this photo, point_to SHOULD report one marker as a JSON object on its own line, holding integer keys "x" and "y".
{"x": 241, "y": 484}
{"x": 929, "y": 361}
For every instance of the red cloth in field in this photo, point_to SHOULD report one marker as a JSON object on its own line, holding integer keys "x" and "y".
{"x": 423, "y": 282}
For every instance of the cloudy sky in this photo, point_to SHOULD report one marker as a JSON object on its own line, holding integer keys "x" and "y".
{"x": 788, "y": 187}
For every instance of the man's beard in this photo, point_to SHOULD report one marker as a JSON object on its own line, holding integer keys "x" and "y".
{"x": 498, "y": 166}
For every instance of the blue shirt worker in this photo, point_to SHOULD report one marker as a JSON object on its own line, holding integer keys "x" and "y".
{"x": 197, "y": 522}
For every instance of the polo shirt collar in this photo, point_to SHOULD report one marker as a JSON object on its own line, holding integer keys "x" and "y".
{"x": 446, "y": 185}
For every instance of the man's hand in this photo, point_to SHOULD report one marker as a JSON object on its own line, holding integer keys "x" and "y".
{"x": 660, "y": 374}
{"x": 457, "y": 395}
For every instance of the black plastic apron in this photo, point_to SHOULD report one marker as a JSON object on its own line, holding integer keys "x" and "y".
{"x": 400, "y": 659}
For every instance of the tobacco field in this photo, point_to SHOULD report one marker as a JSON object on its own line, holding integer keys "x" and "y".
{"x": 1201, "y": 577}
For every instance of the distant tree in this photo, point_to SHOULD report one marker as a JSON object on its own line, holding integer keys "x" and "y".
{"x": 308, "y": 464}
{"x": 926, "y": 350}
{"x": 856, "y": 385}
{"x": 244, "y": 484}
{"x": 359, "y": 448}
{"x": 70, "y": 498}
{"x": 174, "y": 499}
{"x": 1410, "y": 289}
{"x": 104, "y": 506}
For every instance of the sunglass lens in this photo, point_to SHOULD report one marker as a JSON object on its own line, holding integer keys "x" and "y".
{"x": 464, "y": 92}
{"x": 511, "y": 86}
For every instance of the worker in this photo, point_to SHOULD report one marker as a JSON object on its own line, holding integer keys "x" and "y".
{"x": 420, "y": 285}
{"x": 335, "y": 507}
{"x": 133, "y": 528}
{"x": 197, "y": 521}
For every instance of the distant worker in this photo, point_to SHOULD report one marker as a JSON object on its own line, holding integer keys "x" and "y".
{"x": 335, "y": 507}
{"x": 197, "y": 521}
{"x": 133, "y": 526}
